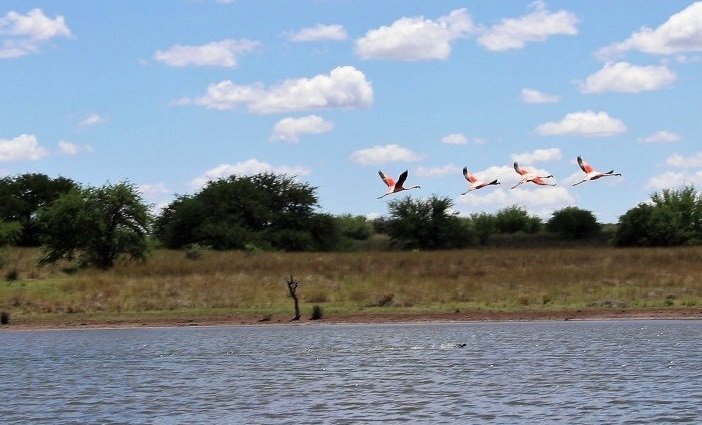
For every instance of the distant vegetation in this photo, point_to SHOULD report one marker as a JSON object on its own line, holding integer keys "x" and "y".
{"x": 80, "y": 226}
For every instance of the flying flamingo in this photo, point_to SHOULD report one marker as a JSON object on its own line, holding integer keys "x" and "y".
{"x": 591, "y": 173}
{"x": 474, "y": 182}
{"x": 394, "y": 187}
{"x": 529, "y": 176}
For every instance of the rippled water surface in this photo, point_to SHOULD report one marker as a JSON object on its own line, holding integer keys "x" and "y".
{"x": 544, "y": 372}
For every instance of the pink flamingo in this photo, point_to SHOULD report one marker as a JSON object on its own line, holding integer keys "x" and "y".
{"x": 529, "y": 176}
{"x": 394, "y": 187}
{"x": 474, "y": 182}
{"x": 591, "y": 173}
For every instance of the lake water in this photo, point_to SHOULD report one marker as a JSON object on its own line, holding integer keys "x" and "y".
{"x": 508, "y": 373}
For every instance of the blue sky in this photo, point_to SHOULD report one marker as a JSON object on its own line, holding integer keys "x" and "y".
{"x": 172, "y": 93}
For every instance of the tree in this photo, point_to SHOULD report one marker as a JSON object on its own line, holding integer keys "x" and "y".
{"x": 673, "y": 217}
{"x": 9, "y": 233}
{"x": 516, "y": 219}
{"x": 22, "y": 196}
{"x": 427, "y": 224}
{"x": 95, "y": 226}
{"x": 573, "y": 223}
{"x": 265, "y": 210}
{"x": 483, "y": 226}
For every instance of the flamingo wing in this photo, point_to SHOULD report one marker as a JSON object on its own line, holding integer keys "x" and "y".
{"x": 521, "y": 171}
{"x": 388, "y": 180}
{"x": 401, "y": 180}
{"x": 467, "y": 174}
{"x": 584, "y": 165}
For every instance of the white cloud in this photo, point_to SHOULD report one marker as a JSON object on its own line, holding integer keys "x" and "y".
{"x": 289, "y": 129}
{"x": 539, "y": 155}
{"x": 319, "y": 32}
{"x": 535, "y": 96}
{"x": 153, "y": 190}
{"x": 383, "y": 154}
{"x": 671, "y": 179}
{"x": 91, "y": 120}
{"x": 586, "y": 123}
{"x": 515, "y": 33}
{"x": 682, "y": 32}
{"x": 416, "y": 38}
{"x": 22, "y": 35}
{"x": 679, "y": 161}
{"x": 627, "y": 78}
{"x": 72, "y": 149}
{"x": 247, "y": 168}
{"x": 661, "y": 137}
{"x": 455, "y": 139}
{"x": 181, "y": 101}
{"x": 538, "y": 200}
{"x": 344, "y": 87}
{"x": 446, "y": 170}
{"x": 24, "y": 147}
{"x": 217, "y": 53}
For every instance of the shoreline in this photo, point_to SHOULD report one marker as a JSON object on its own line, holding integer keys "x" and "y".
{"x": 61, "y": 323}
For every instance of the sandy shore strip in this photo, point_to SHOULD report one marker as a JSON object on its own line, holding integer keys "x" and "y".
{"x": 369, "y": 318}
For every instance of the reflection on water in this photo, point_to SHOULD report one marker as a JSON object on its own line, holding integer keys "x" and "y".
{"x": 544, "y": 372}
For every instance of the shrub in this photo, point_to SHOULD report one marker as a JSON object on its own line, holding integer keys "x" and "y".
{"x": 516, "y": 219}
{"x": 4, "y": 318}
{"x": 573, "y": 223}
{"x": 483, "y": 226}
{"x": 316, "y": 313}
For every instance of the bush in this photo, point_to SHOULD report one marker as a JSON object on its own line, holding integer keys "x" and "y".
{"x": 673, "y": 217}
{"x": 573, "y": 223}
{"x": 316, "y": 313}
{"x": 483, "y": 226}
{"x": 4, "y": 318}
{"x": 516, "y": 219}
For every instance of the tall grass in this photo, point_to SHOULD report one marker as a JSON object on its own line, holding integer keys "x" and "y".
{"x": 345, "y": 283}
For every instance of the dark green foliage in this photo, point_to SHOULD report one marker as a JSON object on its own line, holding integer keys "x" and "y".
{"x": 354, "y": 227}
{"x": 483, "y": 226}
{"x": 316, "y": 313}
{"x": 22, "y": 196}
{"x": 516, "y": 219}
{"x": 9, "y": 232}
{"x": 95, "y": 226}
{"x": 427, "y": 224}
{"x": 573, "y": 223}
{"x": 266, "y": 211}
{"x": 673, "y": 217}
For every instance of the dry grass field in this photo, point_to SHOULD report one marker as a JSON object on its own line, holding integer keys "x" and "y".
{"x": 252, "y": 285}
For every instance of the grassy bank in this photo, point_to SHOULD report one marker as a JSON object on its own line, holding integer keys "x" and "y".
{"x": 251, "y": 286}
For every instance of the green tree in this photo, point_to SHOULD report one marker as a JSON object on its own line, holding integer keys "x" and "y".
{"x": 673, "y": 217}
{"x": 516, "y": 219}
{"x": 573, "y": 223}
{"x": 9, "y": 232}
{"x": 354, "y": 227}
{"x": 427, "y": 224}
{"x": 266, "y": 210}
{"x": 95, "y": 226}
{"x": 22, "y": 196}
{"x": 483, "y": 226}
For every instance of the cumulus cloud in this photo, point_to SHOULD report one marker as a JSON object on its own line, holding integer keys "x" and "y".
{"x": 661, "y": 137}
{"x": 383, "y": 154}
{"x": 289, "y": 129}
{"x": 681, "y": 33}
{"x": 223, "y": 53}
{"x": 22, "y": 35}
{"x": 24, "y": 147}
{"x": 344, "y": 87}
{"x": 247, "y": 168}
{"x": 586, "y": 123}
{"x": 535, "y": 96}
{"x": 538, "y": 200}
{"x": 515, "y": 33}
{"x": 153, "y": 190}
{"x": 416, "y": 38}
{"x": 319, "y": 32}
{"x": 72, "y": 149}
{"x": 91, "y": 120}
{"x": 679, "y": 161}
{"x": 455, "y": 139}
{"x": 445, "y": 170}
{"x": 672, "y": 179}
{"x": 624, "y": 77}
{"x": 539, "y": 155}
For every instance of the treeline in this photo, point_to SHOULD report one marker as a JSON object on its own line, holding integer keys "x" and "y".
{"x": 95, "y": 226}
